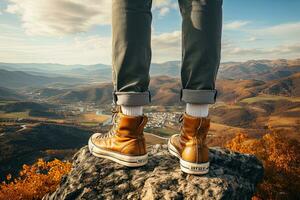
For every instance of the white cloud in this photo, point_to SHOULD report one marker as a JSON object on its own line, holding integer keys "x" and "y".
{"x": 286, "y": 31}
{"x": 235, "y": 25}
{"x": 252, "y": 39}
{"x": 267, "y": 42}
{"x": 62, "y": 17}
{"x": 163, "y": 11}
{"x": 166, "y": 46}
{"x": 166, "y": 40}
{"x": 285, "y": 28}
{"x": 74, "y": 50}
{"x": 286, "y": 49}
{"x": 232, "y": 53}
{"x": 164, "y": 6}
{"x": 59, "y": 17}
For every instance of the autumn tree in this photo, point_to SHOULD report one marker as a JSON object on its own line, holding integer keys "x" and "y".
{"x": 34, "y": 181}
{"x": 281, "y": 159}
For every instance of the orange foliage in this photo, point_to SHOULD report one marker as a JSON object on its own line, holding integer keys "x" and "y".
{"x": 34, "y": 181}
{"x": 281, "y": 159}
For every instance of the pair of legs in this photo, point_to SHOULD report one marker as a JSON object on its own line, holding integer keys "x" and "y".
{"x": 201, "y": 43}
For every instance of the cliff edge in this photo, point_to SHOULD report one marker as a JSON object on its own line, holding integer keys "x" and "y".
{"x": 232, "y": 176}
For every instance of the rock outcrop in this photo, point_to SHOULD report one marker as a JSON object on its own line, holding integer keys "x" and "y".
{"x": 232, "y": 176}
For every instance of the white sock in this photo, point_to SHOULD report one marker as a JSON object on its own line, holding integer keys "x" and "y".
{"x": 132, "y": 110}
{"x": 197, "y": 110}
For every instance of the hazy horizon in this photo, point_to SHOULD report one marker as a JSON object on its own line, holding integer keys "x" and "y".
{"x": 109, "y": 64}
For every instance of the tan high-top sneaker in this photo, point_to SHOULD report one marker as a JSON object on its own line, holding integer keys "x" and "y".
{"x": 190, "y": 147}
{"x": 124, "y": 143}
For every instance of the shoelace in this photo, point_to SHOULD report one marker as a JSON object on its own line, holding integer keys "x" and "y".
{"x": 114, "y": 120}
{"x": 180, "y": 120}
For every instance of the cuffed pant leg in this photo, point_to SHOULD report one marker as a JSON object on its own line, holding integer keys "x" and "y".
{"x": 132, "y": 98}
{"x": 198, "y": 96}
{"x": 201, "y": 47}
{"x": 131, "y": 32}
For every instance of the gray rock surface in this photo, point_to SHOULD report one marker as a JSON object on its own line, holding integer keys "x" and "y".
{"x": 232, "y": 176}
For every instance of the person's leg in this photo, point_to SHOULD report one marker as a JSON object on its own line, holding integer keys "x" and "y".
{"x": 125, "y": 142}
{"x": 201, "y": 44}
{"x": 201, "y": 47}
{"x": 131, "y": 31}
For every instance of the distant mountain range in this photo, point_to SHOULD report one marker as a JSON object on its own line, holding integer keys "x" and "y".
{"x": 20, "y": 79}
{"x": 63, "y": 83}
{"x": 16, "y": 75}
{"x": 259, "y": 69}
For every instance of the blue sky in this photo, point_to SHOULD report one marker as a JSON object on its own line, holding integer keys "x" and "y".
{"x": 79, "y": 32}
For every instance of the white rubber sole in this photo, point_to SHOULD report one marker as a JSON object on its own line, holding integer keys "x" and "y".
{"x": 188, "y": 167}
{"x": 129, "y": 161}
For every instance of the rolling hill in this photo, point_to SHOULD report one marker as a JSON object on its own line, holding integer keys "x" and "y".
{"x": 19, "y": 79}
{"x": 234, "y": 90}
{"x": 88, "y": 73}
{"x": 165, "y": 90}
{"x": 24, "y": 147}
{"x": 98, "y": 93}
{"x": 247, "y": 79}
{"x": 265, "y": 70}
{"x": 21, "y": 106}
{"x": 288, "y": 86}
{"x": 9, "y": 94}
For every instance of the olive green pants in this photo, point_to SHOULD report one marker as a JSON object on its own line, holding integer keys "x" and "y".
{"x": 201, "y": 46}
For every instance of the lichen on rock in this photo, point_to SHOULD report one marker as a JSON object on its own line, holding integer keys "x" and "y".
{"x": 232, "y": 176}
